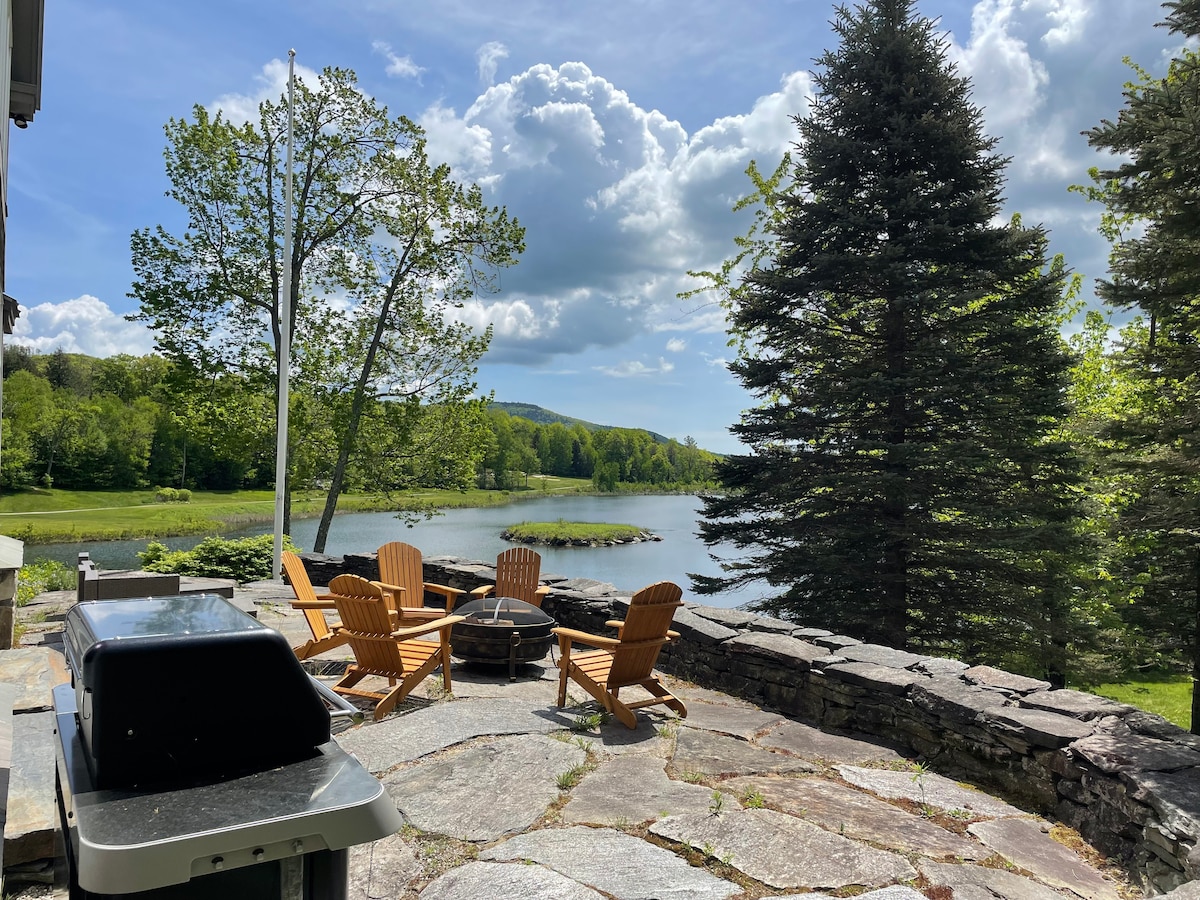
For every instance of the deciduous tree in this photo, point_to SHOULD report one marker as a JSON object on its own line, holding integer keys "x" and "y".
{"x": 385, "y": 246}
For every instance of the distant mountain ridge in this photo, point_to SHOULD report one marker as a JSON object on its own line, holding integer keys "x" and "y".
{"x": 544, "y": 416}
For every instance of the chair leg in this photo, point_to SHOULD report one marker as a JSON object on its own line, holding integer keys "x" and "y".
{"x": 564, "y": 664}
{"x": 654, "y": 686}
{"x": 623, "y": 713}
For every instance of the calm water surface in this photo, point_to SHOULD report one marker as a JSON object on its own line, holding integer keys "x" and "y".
{"x": 475, "y": 534}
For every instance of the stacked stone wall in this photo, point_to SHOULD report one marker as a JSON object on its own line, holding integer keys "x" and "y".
{"x": 1127, "y": 780}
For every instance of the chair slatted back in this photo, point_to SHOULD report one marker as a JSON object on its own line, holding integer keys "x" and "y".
{"x": 364, "y": 614}
{"x": 400, "y": 564}
{"x": 644, "y": 632}
{"x": 517, "y": 572}
{"x": 297, "y": 576}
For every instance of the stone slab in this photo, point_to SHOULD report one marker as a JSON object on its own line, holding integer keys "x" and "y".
{"x": 35, "y": 672}
{"x": 1023, "y": 843}
{"x": 952, "y": 698}
{"x": 750, "y": 841}
{"x": 478, "y": 880}
{"x": 1035, "y": 726}
{"x": 881, "y": 656}
{"x": 696, "y": 628}
{"x": 872, "y": 676}
{"x": 742, "y": 722}
{"x": 382, "y": 868}
{"x": 767, "y": 623}
{"x": 980, "y": 883}
{"x": 1125, "y": 752}
{"x": 404, "y": 738}
{"x": 987, "y": 676}
{"x": 893, "y": 892}
{"x": 854, "y": 814}
{"x": 1079, "y": 704}
{"x": 1174, "y": 796}
{"x": 730, "y": 618}
{"x": 31, "y": 812}
{"x": 707, "y": 753}
{"x": 485, "y": 792}
{"x": 929, "y": 788}
{"x": 619, "y": 865}
{"x": 1189, "y": 891}
{"x": 630, "y": 790}
{"x": 780, "y": 648}
{"x": 817, "y": 745}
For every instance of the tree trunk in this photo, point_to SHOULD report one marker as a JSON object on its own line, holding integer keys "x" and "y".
{"x": 1196, "y": 646}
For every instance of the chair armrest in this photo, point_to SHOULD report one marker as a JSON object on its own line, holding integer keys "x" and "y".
{"x": 426, "y": 628}
{"x": 314, "y": 604}
{"x": 673, "y": 635}
{"x": 482, "y": 591}
{"x": 582, "y": 637}
{"x": 542, "y": 590}
{"x": 615, "y": 623}
{"x": 449, "y": 594}
{"x": 390, "y": 588}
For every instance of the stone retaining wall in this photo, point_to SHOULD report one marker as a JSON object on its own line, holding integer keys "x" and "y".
{"x": 1127, "y": 780}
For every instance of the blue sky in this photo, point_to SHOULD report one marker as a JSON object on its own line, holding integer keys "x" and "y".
{"x": 617, "y": 132}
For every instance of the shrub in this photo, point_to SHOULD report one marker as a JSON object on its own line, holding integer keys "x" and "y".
{"x": 172, "y": 495}
{"x": 244, "y": 559}
{"x": 40, "y": 576}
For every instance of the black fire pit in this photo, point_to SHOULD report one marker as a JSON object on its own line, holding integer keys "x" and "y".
{"x": 497, "y": 630}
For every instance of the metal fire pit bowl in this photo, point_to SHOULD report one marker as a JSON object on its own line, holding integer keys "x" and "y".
{"x": 497, "y": 630}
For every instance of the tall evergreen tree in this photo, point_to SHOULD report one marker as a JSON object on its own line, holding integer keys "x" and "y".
{"x": 1155, "y": 269}
{"x": 902, "y": 483}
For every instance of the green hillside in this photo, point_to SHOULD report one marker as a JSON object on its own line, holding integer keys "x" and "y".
{"x": 547, "y": 417}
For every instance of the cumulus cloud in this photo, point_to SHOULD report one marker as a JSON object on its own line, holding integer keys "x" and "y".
{"x": 269, "y": 84}
{"x": 84, "y": 324}
{"x": 676, "y": 345}
{"x": 636, "y": 369}
{"x": 618, "y": 202}
{"x": 488, "y": 59}
{"x": 397, "y": 66}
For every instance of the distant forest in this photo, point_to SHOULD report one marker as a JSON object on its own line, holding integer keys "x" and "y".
{"x": 77, "y": 422}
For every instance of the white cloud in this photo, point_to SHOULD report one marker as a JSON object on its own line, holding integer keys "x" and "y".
{"x": 618, "y": 202}
{"x": 676, "y": 345}
{"x": 82, "y": 325}
{"x": 636, "y": 369}
{"x": 271, "y": 84}
{"x": 488, "y": 59}
{"x": 397, "y": 66}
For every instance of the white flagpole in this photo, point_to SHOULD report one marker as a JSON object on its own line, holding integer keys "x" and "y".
{"x": 285, "y": 337}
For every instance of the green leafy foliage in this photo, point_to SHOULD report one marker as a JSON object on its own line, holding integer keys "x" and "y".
{"x": 244, "y": 559}
{"x": 40, "y": 576}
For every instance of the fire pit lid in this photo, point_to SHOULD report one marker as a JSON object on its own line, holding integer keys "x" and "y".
{"x": 511, "y": 612}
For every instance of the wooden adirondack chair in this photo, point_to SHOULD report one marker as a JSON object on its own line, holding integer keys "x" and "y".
{"x": 517, "y": 572}
{"x": 402, "y": 578}
{"x": 323, "y": 637}
{"x": 384, "y": 651}
{"x": 626, "y": 660}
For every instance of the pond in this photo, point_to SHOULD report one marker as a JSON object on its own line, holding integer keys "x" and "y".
{"x": 475, "y": 534}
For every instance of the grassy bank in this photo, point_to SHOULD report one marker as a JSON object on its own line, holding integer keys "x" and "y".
{"x": 1168, "y": 694}
{"x": 57, "y": 516}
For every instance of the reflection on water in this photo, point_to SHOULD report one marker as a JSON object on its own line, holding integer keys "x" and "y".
{"x": 475, "y": 534}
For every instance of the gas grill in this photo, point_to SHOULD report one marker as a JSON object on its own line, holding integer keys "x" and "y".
{"x": 195, "y": 759}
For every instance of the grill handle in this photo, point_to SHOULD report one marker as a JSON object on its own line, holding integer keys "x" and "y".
{"x": 341, "y": 706}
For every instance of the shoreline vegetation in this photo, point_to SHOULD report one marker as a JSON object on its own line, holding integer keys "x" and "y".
{"x": 577, "y": 534}
{"x": 51, "y": 516}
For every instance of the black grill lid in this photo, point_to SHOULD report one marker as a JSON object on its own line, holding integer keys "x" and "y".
{"x": 178, "y": 689}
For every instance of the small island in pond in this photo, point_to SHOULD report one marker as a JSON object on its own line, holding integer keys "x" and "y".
{"x": 576, "y": 534}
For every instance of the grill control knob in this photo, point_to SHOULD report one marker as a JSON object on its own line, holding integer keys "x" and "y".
{"x": 218, "y": 862}
{"x": 297, "y": 846}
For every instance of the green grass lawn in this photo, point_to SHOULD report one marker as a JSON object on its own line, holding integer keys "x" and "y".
{"x": 57, "y": 516}
{"x": 1169, "y": 695}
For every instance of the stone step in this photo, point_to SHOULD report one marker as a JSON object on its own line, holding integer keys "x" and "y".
{"x": 31, "y": 829}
